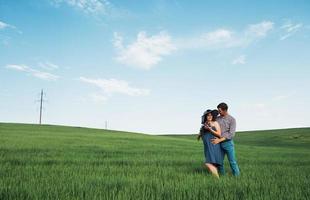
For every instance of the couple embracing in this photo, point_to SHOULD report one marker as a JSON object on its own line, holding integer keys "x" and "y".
{"x": 217, "y": 132}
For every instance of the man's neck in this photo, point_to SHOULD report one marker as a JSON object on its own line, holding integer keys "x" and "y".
{"x": 225, "y": 115}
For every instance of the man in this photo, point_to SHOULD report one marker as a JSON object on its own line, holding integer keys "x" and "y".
{"x": 228, "y": 128}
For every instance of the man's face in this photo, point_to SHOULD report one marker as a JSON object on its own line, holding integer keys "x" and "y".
{"x": 222, "y": 112}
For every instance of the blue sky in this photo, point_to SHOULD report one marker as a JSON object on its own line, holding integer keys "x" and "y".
{"x": 155, "y": 66}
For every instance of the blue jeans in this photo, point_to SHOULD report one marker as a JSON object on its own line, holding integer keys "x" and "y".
{"x": 229, "y": 150}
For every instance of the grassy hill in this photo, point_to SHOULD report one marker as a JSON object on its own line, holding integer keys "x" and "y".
{"x": 58, "y": 162}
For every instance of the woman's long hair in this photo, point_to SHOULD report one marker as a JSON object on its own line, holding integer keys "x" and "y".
{"x": 214, "y": 114}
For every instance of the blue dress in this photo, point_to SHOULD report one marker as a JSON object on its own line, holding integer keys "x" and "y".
{"x": 213, "y": 152}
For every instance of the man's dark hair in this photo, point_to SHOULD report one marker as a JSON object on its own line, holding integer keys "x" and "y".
{"x": 223, "y": 106}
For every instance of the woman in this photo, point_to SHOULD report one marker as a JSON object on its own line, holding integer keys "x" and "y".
{"x": 214, "y": 155}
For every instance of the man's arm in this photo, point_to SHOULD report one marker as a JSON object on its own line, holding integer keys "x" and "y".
{"x": 230, "y": 133}
{"x": 232, "y": 128}
{"x": 227, "y": 135}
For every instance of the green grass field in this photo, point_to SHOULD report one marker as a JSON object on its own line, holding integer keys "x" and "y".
{"x": 57, "y": 162}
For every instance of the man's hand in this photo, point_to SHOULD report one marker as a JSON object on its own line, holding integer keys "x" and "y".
{"x": 217, "y": 140}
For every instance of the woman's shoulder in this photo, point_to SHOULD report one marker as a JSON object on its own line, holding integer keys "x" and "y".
{"x": 216, "y": 123}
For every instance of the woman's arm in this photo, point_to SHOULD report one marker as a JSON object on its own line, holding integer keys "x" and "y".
{"x": 200, "y": 133}
{"x": 216, "y": 133}
{"x": 219, "y": 139}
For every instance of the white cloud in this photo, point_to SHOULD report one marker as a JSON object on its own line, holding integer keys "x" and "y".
{"x": 283, "y": 96}
{"x": 260, "y": 105}
{"x": 289, "y": 28}
{"x": 4, "y": 39}
{"x": 87, "y": 6}
{"x": 3, "y": 25}
{"x": 18, "y": 67}
{"x": 114, "y": 86}
{"x": 33, "y": 72}
{"x": 224, "y": 38}
{"x": 279, "y": 97}
{"x": 259, "y": 30}
{"x": 99, "y": 98}
{"x": 220, "y": 38}
{"x": 239, "y": 60}
{"x": 269, "y": 108}
{"x": 145, "y": 52}
{"x": 48, "y": 65}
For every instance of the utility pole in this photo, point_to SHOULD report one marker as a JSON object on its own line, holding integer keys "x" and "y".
{"x": 106, "y": 124}
{"x": 41, "y": 104}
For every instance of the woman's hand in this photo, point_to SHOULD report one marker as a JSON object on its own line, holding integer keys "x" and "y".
{"x": 207, "y": 127}
{"x": 198, "y": 137}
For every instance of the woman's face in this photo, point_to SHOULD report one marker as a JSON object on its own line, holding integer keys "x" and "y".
{"x": 209, "y": 117}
